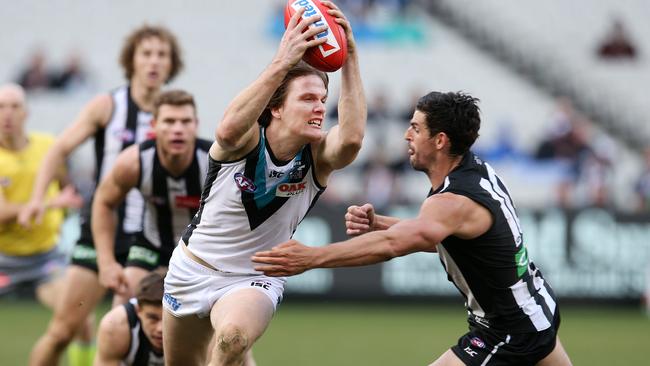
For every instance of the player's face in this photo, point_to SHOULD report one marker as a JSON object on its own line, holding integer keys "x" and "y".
{"x": 420, "y": 145}
{"x": 175, "y": 129}
{"x": 12, "y": 111}
{"x": 152, "y": 62}
{"x": 151, "y": 321}
{"x": 303, "y": 111}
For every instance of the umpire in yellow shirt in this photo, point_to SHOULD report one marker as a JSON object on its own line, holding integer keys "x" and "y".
{"x": 27, "y": 255}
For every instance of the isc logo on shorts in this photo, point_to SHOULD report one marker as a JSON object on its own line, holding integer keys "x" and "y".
{"x": 262, "y": 284}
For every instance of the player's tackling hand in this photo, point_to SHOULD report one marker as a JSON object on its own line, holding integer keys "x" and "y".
{"x": 359, "y": 219}
{"x": 111, "y": 275}
{"x": 287, "y": 259}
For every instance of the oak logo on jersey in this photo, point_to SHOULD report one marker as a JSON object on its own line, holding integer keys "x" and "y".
{"x": 290, "y": 189}
{"x": 244, "y": 184}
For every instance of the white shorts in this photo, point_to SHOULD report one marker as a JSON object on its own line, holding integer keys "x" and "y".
{"x": 192, "y": 288}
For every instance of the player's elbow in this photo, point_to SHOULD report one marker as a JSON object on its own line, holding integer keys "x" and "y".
{"x": 414, "y": 242}
{"x": 227, "y": 137}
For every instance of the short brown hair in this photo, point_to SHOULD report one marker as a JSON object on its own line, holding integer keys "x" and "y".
{"x": 300, "y": 69}
{"x": 144, "y": 32}
{"x": 151, "y": 288}
{"x": 175, "y": 97}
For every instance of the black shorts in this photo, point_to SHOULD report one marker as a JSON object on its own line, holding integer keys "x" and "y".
{"x": 85, "y": 255}
{"x": 145, "y": 255}
{"x": 486, "y": 347}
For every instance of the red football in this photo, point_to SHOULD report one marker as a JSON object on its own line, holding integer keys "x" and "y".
{"x": 330, "y": 55}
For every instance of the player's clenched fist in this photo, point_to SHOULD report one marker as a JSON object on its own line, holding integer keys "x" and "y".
{"x": 359, "y": 219}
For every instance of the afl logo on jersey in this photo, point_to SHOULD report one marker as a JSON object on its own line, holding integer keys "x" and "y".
{"x": 477, "y": 342}
{"x": 124, "y": 135}
{"x": 244, "y": 184}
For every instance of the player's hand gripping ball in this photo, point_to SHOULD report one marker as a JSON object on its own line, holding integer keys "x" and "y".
{"x": 329, "y": 56}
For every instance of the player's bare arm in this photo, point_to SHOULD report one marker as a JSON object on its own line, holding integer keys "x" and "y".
{"x": 111, "y": 192}
{"x": 238, "y": 131}
{"x": 440, "y": 216}
{"x": 113, "y": 338}
{"x": 92, "y": 117}
{"x": 343, "y": 141}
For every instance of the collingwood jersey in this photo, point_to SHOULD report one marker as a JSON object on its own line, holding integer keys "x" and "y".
{"x": 127, "y": 125}
{"x": 502, "y": 287}
{"x": 141, "y": 353}
{"x": 250, "y": 205}
{"x": 171, "y": 202}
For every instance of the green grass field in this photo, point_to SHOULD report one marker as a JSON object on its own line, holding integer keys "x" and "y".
{"x": 366, "y": 334}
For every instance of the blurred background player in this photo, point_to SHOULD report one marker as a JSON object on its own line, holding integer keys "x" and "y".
{"x": 150, "y": 57}
{"x": 269, "y": 165}
{"x": 28, "y": 256}
{"x": 169, "y": 171}
{"x": 469, "y": 219}
{"x": 131, "y": 334}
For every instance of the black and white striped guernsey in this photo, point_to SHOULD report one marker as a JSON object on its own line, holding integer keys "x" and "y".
{"x": 141, "y": 352}
{"x": 170, "y": 202}
{"x": 502, "y": 287}
{"x": 128, "y": 125}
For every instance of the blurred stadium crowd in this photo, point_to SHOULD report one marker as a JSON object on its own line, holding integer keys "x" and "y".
{"x": 565, "y": 114}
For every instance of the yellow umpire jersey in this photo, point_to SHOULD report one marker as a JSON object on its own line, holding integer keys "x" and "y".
{"x": 17, "y": 174}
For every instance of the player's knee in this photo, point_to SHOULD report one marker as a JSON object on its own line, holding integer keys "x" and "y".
{"x": 61, "y": 333}
{"x": 232, "y": 342}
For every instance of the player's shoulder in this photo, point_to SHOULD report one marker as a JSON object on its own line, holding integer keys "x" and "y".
{"x": 115, "y": 324}
{"x": 100, "y": 108}
{"x": 114, "y": 334}
{"x": 41, "y": 138}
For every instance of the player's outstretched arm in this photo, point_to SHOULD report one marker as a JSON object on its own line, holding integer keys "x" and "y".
{"x": 237, "y": 132}
{"x": 93, "y": 116}
{"x": 109, "y": 195}
{"x": 113, "y": 338}
{"x": 343, "y": 141}
{"x": 440, "y": 216}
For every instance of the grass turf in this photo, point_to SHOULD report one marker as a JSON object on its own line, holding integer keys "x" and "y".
{"x": 368, "y": 334}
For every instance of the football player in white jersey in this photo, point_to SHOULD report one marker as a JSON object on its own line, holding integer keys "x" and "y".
{"x": 150, "y": 57}
{"x": 270, "y": 162}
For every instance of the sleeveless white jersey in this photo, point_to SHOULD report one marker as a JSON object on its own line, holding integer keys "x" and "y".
{"x": 170, "y": 202}
{"x": 128, "y": 125}
{"x": 250, "y": 205}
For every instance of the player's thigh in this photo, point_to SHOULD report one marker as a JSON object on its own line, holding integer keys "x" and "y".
{"x": 48, "y": 293}
{"x": 448, "y": 359}
{"x": 247, "y": 310}
{"x": 558, "y": 357}
{"x": 80, "y": 294}
{"x": 185, "y": 339}
{"x": 133, "y": 276}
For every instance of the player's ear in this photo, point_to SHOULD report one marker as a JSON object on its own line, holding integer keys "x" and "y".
{"x": 275, "y": 112}
{"x": 153, "y": 122}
